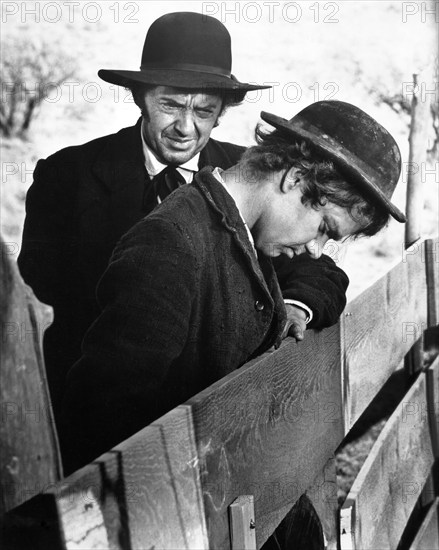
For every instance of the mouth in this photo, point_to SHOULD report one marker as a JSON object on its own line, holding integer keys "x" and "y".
{"x": 180, "y": 143}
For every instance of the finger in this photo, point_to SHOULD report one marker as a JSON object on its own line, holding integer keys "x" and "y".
{"x": 296, "y": 331}
{"x": 285, "y": 332}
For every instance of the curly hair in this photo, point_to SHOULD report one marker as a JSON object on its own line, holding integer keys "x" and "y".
{"x": 322, "y": 181}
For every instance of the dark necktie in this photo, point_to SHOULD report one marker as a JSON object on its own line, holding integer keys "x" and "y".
{"x": 167, "y": 181}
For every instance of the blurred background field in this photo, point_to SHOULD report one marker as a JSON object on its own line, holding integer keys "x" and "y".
{"x": 363, "y": 52}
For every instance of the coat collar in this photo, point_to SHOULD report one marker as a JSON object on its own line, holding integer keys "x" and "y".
{"x": 222, "y": 202}
{"x": 120, "y": 162}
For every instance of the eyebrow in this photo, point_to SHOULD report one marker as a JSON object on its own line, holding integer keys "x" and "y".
{"x": 181, "y": 101}
{"x": 172, "y": 100}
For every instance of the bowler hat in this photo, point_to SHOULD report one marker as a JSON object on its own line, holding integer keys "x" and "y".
{"x": 185, "y": 50}
{"x": 359, "y": 146}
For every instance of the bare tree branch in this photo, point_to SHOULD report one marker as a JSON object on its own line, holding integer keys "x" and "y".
{"x": 28, "y": 70}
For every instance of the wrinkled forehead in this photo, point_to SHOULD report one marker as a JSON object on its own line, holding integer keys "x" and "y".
{"x": 185, "y": 96}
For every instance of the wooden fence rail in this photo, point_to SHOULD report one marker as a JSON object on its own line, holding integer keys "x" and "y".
{"x": 266, "y": 435}
{"x": 390, "y": 482}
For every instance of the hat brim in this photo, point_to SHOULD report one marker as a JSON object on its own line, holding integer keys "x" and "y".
{"x": 178, "y": 78}
{"x": 344, "y": 159}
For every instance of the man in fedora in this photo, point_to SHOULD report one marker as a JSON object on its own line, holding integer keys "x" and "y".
{"x": 190, "y": 293}
{"x": 84, "y": 198}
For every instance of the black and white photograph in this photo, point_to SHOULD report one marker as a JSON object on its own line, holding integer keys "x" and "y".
{"x": 219, "y": 275}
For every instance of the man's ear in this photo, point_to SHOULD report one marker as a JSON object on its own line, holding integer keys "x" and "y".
{"x": 290, "y": 180}
{"x": 135, "y": 93}
{"x": 138, "y": 92}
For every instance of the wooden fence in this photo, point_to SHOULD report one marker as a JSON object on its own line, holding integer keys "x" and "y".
{"x": 223, "y": 469}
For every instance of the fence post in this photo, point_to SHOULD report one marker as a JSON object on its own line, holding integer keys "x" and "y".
{"x": 418, "y": 143}
{"x": 30, "y": 459}
{"x": 242, "y": 523}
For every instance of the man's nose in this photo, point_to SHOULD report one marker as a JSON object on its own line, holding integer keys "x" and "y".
{"x": 185, "y": 123}
{"x": 314, "y": 247}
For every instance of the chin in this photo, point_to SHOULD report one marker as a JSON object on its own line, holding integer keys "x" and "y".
{"x": 178, "y": 157}
{"x": 270, "y": 251}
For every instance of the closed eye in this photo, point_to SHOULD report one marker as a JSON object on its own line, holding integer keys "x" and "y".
{"x": 204, "y": 113}
{"x": 170, "y": 106}
{"x": 330, "y": 232}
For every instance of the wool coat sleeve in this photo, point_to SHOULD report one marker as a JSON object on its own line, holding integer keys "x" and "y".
{"x": 146, "y": 295}
{"x": 48, "y": 241}
{"x": 318, "y": 283}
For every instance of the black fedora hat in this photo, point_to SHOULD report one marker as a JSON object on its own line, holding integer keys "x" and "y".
{"x": 358, "y": 145}
{"x": 184, "y": 50}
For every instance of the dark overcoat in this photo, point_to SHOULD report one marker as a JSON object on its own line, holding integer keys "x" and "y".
{"x": 184, "y": 301}
{"x": 82, "y": 200}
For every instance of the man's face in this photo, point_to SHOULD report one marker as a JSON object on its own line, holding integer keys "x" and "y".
{"x": 290, "y": 227}
{"x": 178, "y": 124}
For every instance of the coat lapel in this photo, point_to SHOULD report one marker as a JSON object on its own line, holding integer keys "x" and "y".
{"x": 120, "y": 168}
{"x": 262, "y": 270}
{"x": 221, "y": 201}
{"x": 121, "y": 171}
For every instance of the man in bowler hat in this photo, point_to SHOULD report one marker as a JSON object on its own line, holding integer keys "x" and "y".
{"x": 190, "y": 293}
{"x": 84, "y": 198}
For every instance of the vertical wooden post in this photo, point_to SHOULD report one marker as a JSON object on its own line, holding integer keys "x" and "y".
{"x": 418, "y": 141}
{"x": 242, "y": 523}
{"x": 418, "y": 144}
{"x": 432, "y": 266}
{"x": 30, "y": 458}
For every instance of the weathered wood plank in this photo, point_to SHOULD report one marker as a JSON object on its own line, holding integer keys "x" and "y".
{"x": 268, "y": 429}
{"x": 79, "y": 510}
{"x": 147, "y": 488}
{"x": 432, "y": 378}
{"x": 432, "y": 265}
{"x": 29, "y": 456}
{"x": 242, "y": 523}
{"x": 178, "y": 433}
{"x": 385, "y": 491}
{"x": 138, "y": 508}
{"x": 323, "y": 496}
{"x": 432, "y": 374}
{"x": 379, "y": 327}
{"x": 145, "y": 493}
{"x": 427, "y": 537}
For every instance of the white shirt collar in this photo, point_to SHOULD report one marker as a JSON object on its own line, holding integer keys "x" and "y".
{"x": 154, "y": 166}
{"x": 217, "y": 174}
